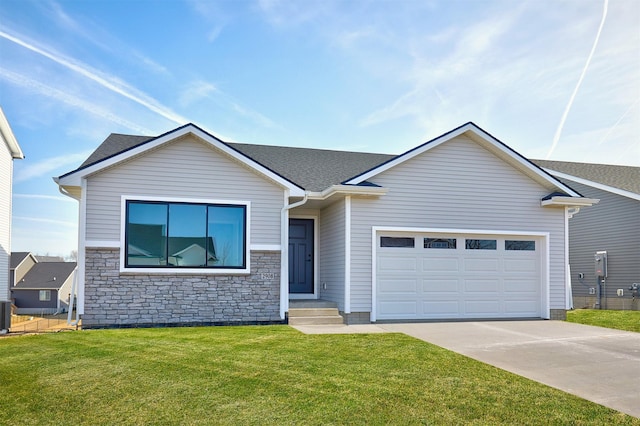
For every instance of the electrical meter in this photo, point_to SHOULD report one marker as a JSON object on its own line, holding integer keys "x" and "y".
{"x": 601, "y": 264}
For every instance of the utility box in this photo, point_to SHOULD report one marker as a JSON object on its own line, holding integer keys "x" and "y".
{"x": 601, "y": 264}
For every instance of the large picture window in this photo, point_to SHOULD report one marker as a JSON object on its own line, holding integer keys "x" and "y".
{"x": 185, "y": 235}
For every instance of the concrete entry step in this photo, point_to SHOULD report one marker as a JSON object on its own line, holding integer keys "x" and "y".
{"x": 313, "y": 312}
{"x": 314, "y": 316}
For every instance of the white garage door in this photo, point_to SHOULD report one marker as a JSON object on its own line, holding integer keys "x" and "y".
{"x": 439, "y": 276}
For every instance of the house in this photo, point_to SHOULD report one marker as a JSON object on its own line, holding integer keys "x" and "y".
{"x": 612, "y": 226}
{"x": 40, "y": 287}
{"x": 461, "y": 226}
{"x": 9, "y": 151}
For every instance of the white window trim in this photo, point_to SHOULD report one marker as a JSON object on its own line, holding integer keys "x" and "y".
{"x": 47, "y": 293}
{"x": 182, "y": 271}
{"x": 545, "y": 273}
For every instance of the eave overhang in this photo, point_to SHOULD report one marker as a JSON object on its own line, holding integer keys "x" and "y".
{"x": 357, "y": 190}
{"x": 567, "y": 201}
{"x": 9, "y": 138}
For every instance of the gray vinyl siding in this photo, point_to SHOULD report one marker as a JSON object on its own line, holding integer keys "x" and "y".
{"x": 185, "y": 168}
{"x": 612, "y": 225}
{"x": 457, "y": 185}
{"x": 30, "y": 299}
{"x": 6, "y": 173}
{"x": 332, "y": 253}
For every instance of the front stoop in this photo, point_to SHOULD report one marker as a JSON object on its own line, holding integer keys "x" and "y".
{"x": 314, "y": 316}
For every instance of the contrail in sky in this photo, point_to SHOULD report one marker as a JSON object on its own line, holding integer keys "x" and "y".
{"x": 556, "y": 137}
{"x": 612, "y": 128}
{"x": 139, "y": 98}
{"x": 44, "y": 90}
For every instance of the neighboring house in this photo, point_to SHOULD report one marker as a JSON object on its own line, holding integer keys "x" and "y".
{"x": 40, "y": 287}
{"x": 612, "y": 226}
{"x": 9, "y": 151}
{"x": 50, "y": 258}
{"x": 459, "y": 227}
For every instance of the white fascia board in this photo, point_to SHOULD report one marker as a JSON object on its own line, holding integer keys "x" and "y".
{"x": 73, "y": 179}
{"x": 348, "y": 190}
{"x": 593, "y": 184}
{"x": 9, "y": 138}
{"x": 561, "y": 201}
{"x": 478, "y": 135}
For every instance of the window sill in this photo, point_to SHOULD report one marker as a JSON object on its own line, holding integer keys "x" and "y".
{"x": 183, "y": 271}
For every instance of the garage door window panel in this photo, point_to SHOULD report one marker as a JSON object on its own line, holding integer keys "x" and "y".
{"x": 398, "y": 242}
{"x": 519, "y": 245}
{"x": 440, "y": 243}
{"x": 477, "y": 244}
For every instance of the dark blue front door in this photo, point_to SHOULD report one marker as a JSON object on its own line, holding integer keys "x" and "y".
{"x": 301, "y": 256}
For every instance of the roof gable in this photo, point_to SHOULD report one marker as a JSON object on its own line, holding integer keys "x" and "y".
{"x": 17, "y": 257}
{"x": 112, "y": 153}
{"x": 484, "y": 139}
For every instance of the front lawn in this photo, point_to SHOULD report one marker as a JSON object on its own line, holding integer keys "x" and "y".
{"x": 621, "y": 320}
{"x": 266, "y": 375}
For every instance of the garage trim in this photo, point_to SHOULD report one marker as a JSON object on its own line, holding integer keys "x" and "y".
{"x": 544, "y": 257}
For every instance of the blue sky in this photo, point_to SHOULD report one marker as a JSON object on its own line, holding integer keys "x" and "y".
{"x": 552, "y": 79}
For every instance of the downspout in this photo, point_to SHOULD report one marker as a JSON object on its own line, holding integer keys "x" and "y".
{"x": 568, "y": 303}
{"x": 284, "y": 250}
{"x": 347, "y": 254}
{"x": 82, "y": 237}
{"x": 72, "y": 300}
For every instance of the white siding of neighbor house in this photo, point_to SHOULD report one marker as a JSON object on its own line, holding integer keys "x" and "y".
{"x": 332, "y": 253}
{"x": 184, "y": 168}
{"x": 65, "y": 291}
{"x": 6, "y": 173}
{"x": 612, "y": 225}
{"x": 457, "y": 185}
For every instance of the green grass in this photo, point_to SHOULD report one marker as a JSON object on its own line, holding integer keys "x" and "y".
{"x": 621, "y": 320}
{"x": 266, "y": 375}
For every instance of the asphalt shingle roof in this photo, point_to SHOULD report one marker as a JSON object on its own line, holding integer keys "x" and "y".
{"x": 114, "y": 144}
{"x": 311, "y": 169}
{"x": 42, "y": 275}
{"x": 317, "y": 169}
{"x": 626, "y": 178}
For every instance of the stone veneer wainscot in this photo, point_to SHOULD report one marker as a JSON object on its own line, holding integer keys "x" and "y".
{"x": 114, "y": 299}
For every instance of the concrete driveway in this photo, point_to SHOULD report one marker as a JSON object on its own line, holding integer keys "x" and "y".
{"x": 598, "y": 364}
